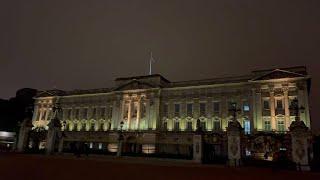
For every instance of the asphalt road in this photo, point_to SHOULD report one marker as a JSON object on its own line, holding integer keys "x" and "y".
{"x": 34, "y": 167}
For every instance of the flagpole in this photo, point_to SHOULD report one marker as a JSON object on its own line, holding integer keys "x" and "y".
{"x": 150, "y": 63}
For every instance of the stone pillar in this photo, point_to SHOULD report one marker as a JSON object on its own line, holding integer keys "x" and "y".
{"x": 258, "y": 110}
{"x": 197, "y": 148}
{"x": 234, "y": 131}
{"x": 299, "y": 139}
{"x": 116, "y": 112}
{"x": 23, "y": 135}
{"x": 273, "y": 111}
{"x": 286, "y": 108}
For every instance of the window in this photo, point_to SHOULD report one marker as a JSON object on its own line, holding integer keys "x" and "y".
{"x": 102, "y": 112}
{"x": 102, "y": 126}
{"x": 176, "y": 126}
{"x": 266, "y": 104}
{"x": 165, "y": 110}
{"x": 85, "y": 113}
{"x": 189, "y": 125}
{"x": 203, "y": 125}
{"x": 279, "y": 104}
{"x": 92, "y": 126}
{"x": 69, "y": 113}
{"x": 246, "y": 106}
{"x": 165, "y": 125}
{"x": 189, "y": 109}
{"x": 216, "y": 124}
{"x": 100, "y": 146}
{"x": 267, "y": 125}
{"x": 77, "y": 113}
{"x": 281, "y": 125}
{"x": 148, "y": 148}
{"x": 177, "y": 110}
{"x": 246, "y": 126}
{"x": 216, "y": 107}
{"x": 94, "y": 112}
{"x": 202, "y": 109}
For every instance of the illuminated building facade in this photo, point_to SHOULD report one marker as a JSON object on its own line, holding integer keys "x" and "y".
{"x": 158, "y": 114}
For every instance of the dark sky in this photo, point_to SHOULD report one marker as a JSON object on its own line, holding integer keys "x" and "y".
{"x": 79, "y": 44}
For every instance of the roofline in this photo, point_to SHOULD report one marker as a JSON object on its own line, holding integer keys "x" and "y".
{"x": 141, "y": 77}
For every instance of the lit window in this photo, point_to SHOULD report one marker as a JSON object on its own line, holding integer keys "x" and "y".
{"x": 246, "y": 106}
{"x": 148, "y": 148}
{"x": 100, "y": 145}
{"x": 281, "y": 125}
{"x": 112, "y": 147}
{"x": 267, "y": 125}
{"x": 246, "y": 126}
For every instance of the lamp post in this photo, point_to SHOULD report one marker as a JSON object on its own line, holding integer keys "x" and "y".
{"x": 120, "y": 140}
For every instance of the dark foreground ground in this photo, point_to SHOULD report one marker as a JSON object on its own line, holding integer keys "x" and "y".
{"x": 20, "y": 166}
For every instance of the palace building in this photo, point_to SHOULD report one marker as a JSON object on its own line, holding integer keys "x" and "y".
{"x": 156, "y": 115}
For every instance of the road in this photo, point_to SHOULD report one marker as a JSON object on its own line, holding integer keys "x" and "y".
{"x": 34, "y": 167}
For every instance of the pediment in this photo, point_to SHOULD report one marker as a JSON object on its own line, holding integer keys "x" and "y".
{"x": 134, "y": 84}
{"x": 278, "y": 74}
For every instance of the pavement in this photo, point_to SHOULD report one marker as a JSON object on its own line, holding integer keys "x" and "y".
{"x": 66, "y": 166}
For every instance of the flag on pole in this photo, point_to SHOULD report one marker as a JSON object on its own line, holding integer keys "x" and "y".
{"x": 151, "y": 60}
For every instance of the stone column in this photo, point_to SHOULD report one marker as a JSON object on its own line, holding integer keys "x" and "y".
{"x": 273, "y": 110}
{"x": 116, "y": 113}
{"x": 299, "y": 138}
{"x": 234, "y": 131}
{"x": 130, "y": 111}
{"x": 286, "y": 108}
{"x": 197, "y": 148}
{"x": 148, "y": 114}
{"x": 258, "y": 109}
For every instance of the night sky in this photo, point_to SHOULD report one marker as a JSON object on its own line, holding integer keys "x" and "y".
{"x": 81, "y": 44}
